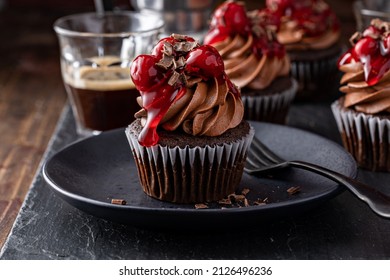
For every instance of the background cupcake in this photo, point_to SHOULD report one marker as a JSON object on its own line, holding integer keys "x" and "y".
{"x": 189, "y": 141}
{"x": 363, "y": 115}
{"x": 310, "y": 31}
{"x": 254, "y": 60}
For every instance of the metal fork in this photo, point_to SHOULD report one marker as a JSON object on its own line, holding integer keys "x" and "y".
{"x": 261, "y": 160}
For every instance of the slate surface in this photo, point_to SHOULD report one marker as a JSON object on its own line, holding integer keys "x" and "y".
{"x": 342, "y": 228}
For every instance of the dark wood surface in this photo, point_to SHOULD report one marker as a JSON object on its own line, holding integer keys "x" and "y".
{"x": 32, "y": 98}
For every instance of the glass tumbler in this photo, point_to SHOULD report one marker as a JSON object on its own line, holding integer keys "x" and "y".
{"x": 367, "y": 10}
{"x": 96, "y": 53}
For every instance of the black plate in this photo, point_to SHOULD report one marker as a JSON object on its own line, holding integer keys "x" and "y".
{"x": 89, "y": 173}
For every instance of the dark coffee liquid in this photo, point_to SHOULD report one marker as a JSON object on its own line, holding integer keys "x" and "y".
{"x": 104, "y": 109}
{"x": 103, "y": 96}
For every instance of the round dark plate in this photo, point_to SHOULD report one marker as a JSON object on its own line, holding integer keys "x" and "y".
{"x": 89, "y": 173}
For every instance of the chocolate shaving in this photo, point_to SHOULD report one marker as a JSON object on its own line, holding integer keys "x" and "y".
{"x": 140, "y": 114}
{"x": 165, "y": 62}
{"x": 293, "y": 190}
{"x": 184, "y": 79}
{"x": 355, "y": 38}
{"x": 257, "y": 30}
{"x": 173, "y": 79}
{"x": 245, "y": 191}
{"x": 179, "y": 37}
{"x": 320, "y": 6}
{"x": 236, "y": 197}
{"x": 259, "y": 203}
{"x": 270, "y": 34}
{"x": 180, "y": 62}
{"x": 201, "y": 206}
{"x": 225, "y": 201}
{"x": 167, "y": 49}
{"x": 184, "y": 46}
{"x": 118, "y": 201}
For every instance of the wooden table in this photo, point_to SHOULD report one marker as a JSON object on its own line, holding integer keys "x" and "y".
{"x": 32, "y": 97}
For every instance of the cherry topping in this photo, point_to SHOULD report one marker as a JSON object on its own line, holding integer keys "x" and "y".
{"x": 144, "y": 72}
{"x": 205, "y": 62}
{"x": 231, "y": 18}
{"x": 372, "y": 50}
{"x": 313, "y": 16}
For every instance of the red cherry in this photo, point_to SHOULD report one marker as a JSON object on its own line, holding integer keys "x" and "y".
{"x": 267, "y": 17}
{"x": 157, "y": 50}
{"x": 365, "y": 47}
{"x": 204, "y": 61}
{"x": 372, "y": 53}
{"x": 371, "y": 30}
{"x": 217, "y": 34}
{"x": 144, "y": 72}
{"x": 232, "y": 16}
{"x": 235, "y": 17}
{"x": 346, "y": 58}
{"x": 385, "y": 49}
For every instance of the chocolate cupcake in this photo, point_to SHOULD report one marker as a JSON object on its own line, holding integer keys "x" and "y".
{"x": 189, "y": 140}
{"x": 363, "y": 114}
{"x": 254, "y": 60}
{"x": 310, "y": 31}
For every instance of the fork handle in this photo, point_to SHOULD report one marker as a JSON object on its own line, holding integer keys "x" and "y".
{"x": 376, "y": 200}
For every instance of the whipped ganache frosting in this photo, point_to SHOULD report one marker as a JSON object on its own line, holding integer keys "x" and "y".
{"x": 247, "y": 42}
{"x": 366, "y": 65}
{"x": 305, "y": 24}
{"x": 183, "y": 85}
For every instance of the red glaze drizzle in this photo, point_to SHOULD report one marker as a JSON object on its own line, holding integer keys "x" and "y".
{"x": 372, "y": 50}
{"x": 231, "y": 18}
{"x": 158, "y": 94}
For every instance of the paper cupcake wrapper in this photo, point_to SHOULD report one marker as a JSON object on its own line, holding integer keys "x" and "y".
{"x": 318, "y": 77}
{"x": 190, "y": 175}
{"x": 366, "y": 137}
{"x": 269, "y": 108}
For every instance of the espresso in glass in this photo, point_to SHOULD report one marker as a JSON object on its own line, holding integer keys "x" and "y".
{"x": 96, "y": 54}
{"x": 102, "y": 93}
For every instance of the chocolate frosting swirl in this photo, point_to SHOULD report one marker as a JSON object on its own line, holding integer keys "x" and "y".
{"x": 207, "y": 108}
{"x": 294, "y": 38}
{"x": 359, "y": 95}
{"x": 245, "y": 69}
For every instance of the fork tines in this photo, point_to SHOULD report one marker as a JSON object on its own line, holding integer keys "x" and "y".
{"x": 260, "y": 156}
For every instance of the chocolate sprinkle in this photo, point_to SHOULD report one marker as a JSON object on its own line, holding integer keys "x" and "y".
{"x": 355, "y": 38}
{"x": 293, "y": 190}
{"x": 118, "y": 201}
{"x": 165, "y": 62}
{"x": 184, "y": 46}
{"x": 180, "y": 62}
{"x": 168, "y": 49}
{"x": 201, "y": 206}
{"x": 173, "y": 79}
{"x": 179, "y": 37}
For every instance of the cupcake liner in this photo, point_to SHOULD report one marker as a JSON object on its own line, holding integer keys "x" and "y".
{"x": 366, "y": 137}
{"x": 269, "y": 108}
{"x": 317, "y": 78}
{"x": 190, "y": 175}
